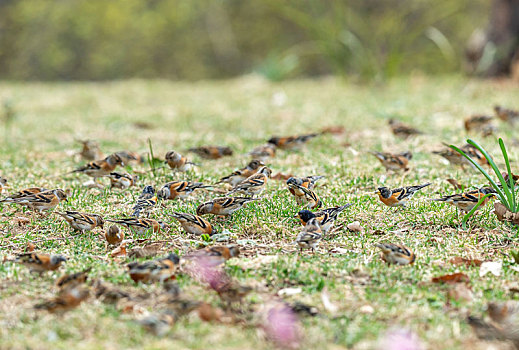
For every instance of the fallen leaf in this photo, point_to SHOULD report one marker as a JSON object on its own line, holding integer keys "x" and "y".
{"x": 336, "y": 130}
{"x": 378, "y": 233}
{"x": 493, "y": 267}
{"x": 463, "y": 261}
{"x": 460, "y": 292}
{"x": 143, "y": 125}
{"x": 21, "y": 220}
{"x": 515, "y": 268}
{"x": 120, "y": 251}
{"x": 328, "y": 305}
{"x": 366, "y": 309}
{"x": 503, "y": 214}
{"x": 355, "y": 227}
{"x": 456, "y": 184}
{"x": 457, "y": 277}
{"x": 290, "y": 291}
{"x": 337, "y": 250}
{"x": 281, "y": 176}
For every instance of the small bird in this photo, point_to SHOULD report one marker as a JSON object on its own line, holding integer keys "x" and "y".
{"x": 179, "y": 189}
{"x": 456, "y": 158}
{"x": 215, "y": 255}
{"x": 326, "y": 217}
{"x": 178, "y": 162}
{"x": 229, "y": 290}
{"x": 3, "y": 184}
{"x": 402, "y": 130}
{"x": 506, "y": 115}
{"x": 114, "y": 235}
{"x": 263, "y": 152}
{"x": 212, "y": 152}
{"x": 129, "y": 156}
{"x": 241, "y": 174}
{"x": 194, "y": 224}
{"x": 481, "y": 123}
{"x": 254, "y": 184}
{"x": 146, "y": 200}
{"x": 468, "y": 200}
{"x": 398, "y": 196}
{"x": 394, "y": 162}
{"x": 139, "y": 226}
{"x": 40, "y": 262}
{"x": 42, "y": 201}
{"x": 82, "y": 221}
{"x": 224, "y": 206}
{"x": 290, "y": 142}
{"x": 310, "y": 197}
{"x": 66, "y": 300}
{"x": 90, "y": 150}
{"x": 100, "y": 168}
{"x": 310, "y": 236}
{"x": 73, "y": 279}
{"x": 23, "y": 193}
{"x": 158, "y": 324}
{"x": 396, "y": 253}
{"x": 122, "y": 181}
{"x": 308, "y": 182}
{"x": 504, "y": 323}
{"x": 159, "y": 270}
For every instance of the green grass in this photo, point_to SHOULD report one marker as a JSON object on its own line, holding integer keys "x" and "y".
{"x": 40, "y": 145}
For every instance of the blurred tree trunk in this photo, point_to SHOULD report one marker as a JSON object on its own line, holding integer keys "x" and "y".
{"x": 496, "y": 51}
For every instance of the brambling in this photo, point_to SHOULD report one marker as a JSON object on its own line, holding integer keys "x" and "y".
{"x": 310, "y": 235}
{"x": 394, "y": 162}
{"x": 178, "y": 162}
{"x": 396, "y": 253}
{"x": 326, "y": 217}
{"x": 229, "y": 290}
{"x": 82, "y": 221}
{"x": 504, "y": 323}
{"x": 23, "y": 193}
{"x": 108, "y": 293}
{"x": 215, "y": 255}
{"x": 310, "y": 197}
{"x": 241, "y": 174}
{"x": 263, "y": 152}
{"x": 179, "y": 189}
{"x": 456, "y": 158}
{"x": 139, "y": 226}
{"x": 128, "y": 156}
{"x": 224, "y": 206}
{"x": 42, "y": 201}
{"x": 73, "y": 279}
{"x": 100, "y": 168}
{"x": 294, "y": 183}
{"x": 212, "y": 152}
{"x": 158, "y": 324}
{"x": 402, "y": 130}
{"x": 90, "y": 150}
{"x": 114, "y": 235}
{"x": 254, "y": 184}
{"x": 3, "y": 184}
{"x": 398, "y": 196}
{"x": 468, "y": 200}
{"x": 478, "y": 122}
{"x": 122, "y": 181}
{"x": 194, "y": 224}
{"x": 506, "y": 115}
{"x": 159, "y": 270}
{"x": 290, "y": 142}
{"x": 40, "y": 262}
{"x": 66, "y": 300}
{"x": 146, "y": 200}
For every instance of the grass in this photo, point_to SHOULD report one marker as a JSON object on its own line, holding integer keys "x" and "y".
{"x": 240, "y": 113}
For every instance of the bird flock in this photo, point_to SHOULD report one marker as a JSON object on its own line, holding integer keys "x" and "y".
{"x": 241, "y": 187}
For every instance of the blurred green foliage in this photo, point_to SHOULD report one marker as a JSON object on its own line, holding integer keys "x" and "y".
{"x": 196, "y": 39}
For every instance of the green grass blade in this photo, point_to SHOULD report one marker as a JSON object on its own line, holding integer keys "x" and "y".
{"x": 510, "y": 176}
{"x": 500, "y": 193}
{"x": 505, "y": 188}
{"x": 151, "y": 157}
{"x": 469, "y": 214}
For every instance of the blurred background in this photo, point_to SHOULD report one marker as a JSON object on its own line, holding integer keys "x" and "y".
{"x": 212, "y": 39}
